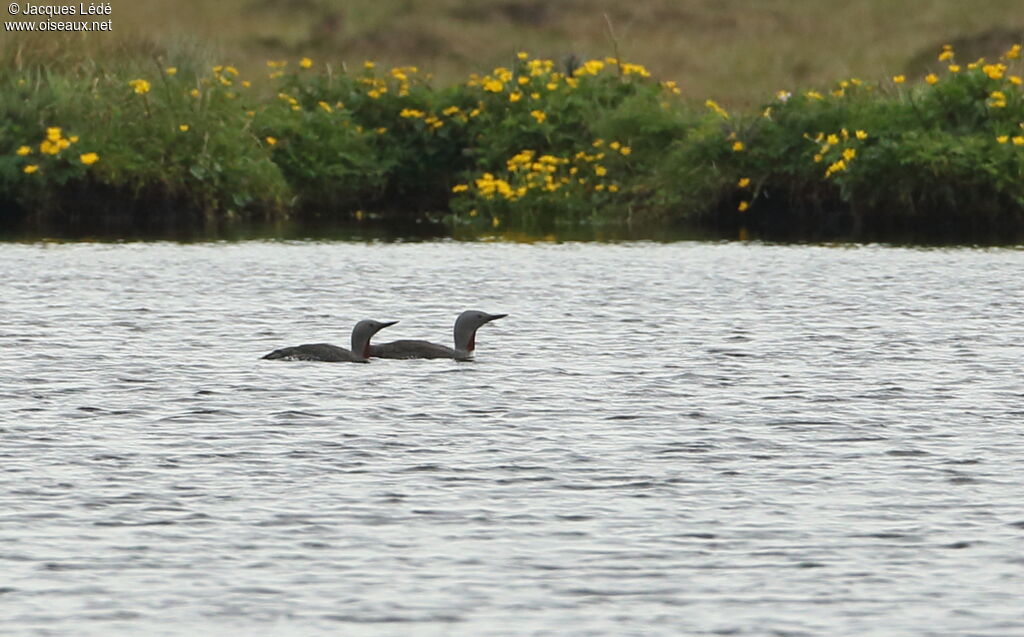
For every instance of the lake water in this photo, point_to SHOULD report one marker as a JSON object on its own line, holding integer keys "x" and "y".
{"x": 661, "y": 439}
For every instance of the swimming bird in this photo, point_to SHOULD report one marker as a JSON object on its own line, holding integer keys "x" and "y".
{"x": 466, "y": 326}
{"x": 361, "y": 335}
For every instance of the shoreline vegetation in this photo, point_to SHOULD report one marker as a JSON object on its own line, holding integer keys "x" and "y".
{"x": 144, "y": 141}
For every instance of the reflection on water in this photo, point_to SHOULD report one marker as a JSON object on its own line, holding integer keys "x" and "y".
{"x": 660, "y": 439}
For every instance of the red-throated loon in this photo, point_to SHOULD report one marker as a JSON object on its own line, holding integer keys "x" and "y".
{"x": 361, "y": 335}
{"x": 465, "y": 341}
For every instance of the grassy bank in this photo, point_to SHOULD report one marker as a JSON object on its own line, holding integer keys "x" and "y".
{"x": 175, "y": 136}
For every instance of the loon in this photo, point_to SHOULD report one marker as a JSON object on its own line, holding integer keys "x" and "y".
{"x": 466, "y": 326}
{"x": 361, "y": 335}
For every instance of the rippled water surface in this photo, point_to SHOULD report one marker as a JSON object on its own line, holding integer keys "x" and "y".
{"x": 660, "y": 439}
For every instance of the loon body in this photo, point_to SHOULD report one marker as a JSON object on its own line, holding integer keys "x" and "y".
{"x": 466, "y": 326}
{"x": 360, "y": 352}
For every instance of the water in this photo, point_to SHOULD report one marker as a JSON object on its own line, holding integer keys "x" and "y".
{"x": 659, "y": 440}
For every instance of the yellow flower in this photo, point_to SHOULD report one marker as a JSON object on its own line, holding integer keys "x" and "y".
{"x": 373, "y": 94}
{"x": 813, "y": 95}
{"x": 495, "y": 222}
{"x": 492, "y": 85}
{"x": 954, "y": 68}
{"x": 53, "y": 133}
{"x": 367, "y": 64}
{"x": 737, "y": 146}
{"x": 141, "y": 86}
{"x": 515, "y": 96}
{"x": 194, "y": 92}
{"x": 230, "y": 69}
{"x": 49, "y": 148}
{"x": 625, "y": 150}
{"x": 522, "y": 55}
{"x": 171, "y": 70}
{"x": 551, "y": 86}
{"x": 306, "y": 63}
{"x": 849, "y": 153}
{"x": 743, "y": 206}
{"x": 1002, "y": 139}
{"x": 860, "y": 134}
{"x": 835, "y": 167}
{"x": 899, "y": 79}
{"x": 1018, "y": 140}
{"x": 818, "y": 158}
{"x": 23, "y": 150}
{"x": 613, "y": 188}
{"x": 63, "y": 143}
{"x": 183, "y": 128}
{"x": 832, "y": 139}
{"x": 946, "y": 55}
{"x": 31, "y": 168}
{"x": 1014, "y": 79}
{"x": 931, "y": 78}
{"x": 540, "y": 116}
{"x": 324, "y": 105}
{"x": 272, "y": 141}
{"x": 1013, "y": 53}
{"x": 411, "y": 112}
{"x": 89, "y": 158}
{"x": 743, "y": 182}
{"x": 460, "y": 188}
{"x": 713, "y": 105}
{"x": 600, "y": 171}
{"x": 246, "y": 83}
{"x": 994, "y": 71}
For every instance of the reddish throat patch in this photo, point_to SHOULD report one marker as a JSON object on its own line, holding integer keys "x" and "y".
{"x": 472, "y": 342}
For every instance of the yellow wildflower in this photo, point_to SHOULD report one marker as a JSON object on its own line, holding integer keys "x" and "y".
{"x": 832, "y": 139}
{"x": 817, "y": 159}
{"x": 515, "y": 96}
{"x": 625, "y": 150}
{"x": 495, "y": 222}
{"x": 1018, "y": 140}
{"x": 954, "y": 68}
{"x": 460, "y": 188}
{"x": 1013, "y": 53}
{"x": 600, "y": 171}
{"x": 324, "y": 105}
{"x": 613, "y": 188}
{"x": 272, "y": 141}
{"x": 171, "y": 70}
{"x": 713, "y": 105}
{"x": 835, "y": 167}
{"x": 551, "y": 86}
{"x": 306, "y": 63}
{"x": 899, "y": 79}
{"x": 931, "y": 78}
{"x": 522, "y": 55}
{"x": 737, "y": 146}
{"x": 89, "y": 158}
{"x": 540, "y": 116}
{"x": 23, "y": 150}
{"x": 743, "y": 206}
{"x": 141, "y": 86}
{"x": 849, "y": 154}
{"x": 946, "y": 55}
{"x": 49, "y": 148}
{"x": 53, "y": 133}
{"x": 373, "y": 94}
{"x": 1014, "y": 79}
{"x": 368, "y": 65}
{"x": 183, "y": 128}
{"x": 73, "y": 139}
{"x": 1002, "y": 139}
{"x": 743, "y": 182}
{"x": 451, "y": 110}
{"x": 31, "y": 168}
{"x": 994, "y": 71}
{"x": 860, "y": 134}
{"x": 411, "y": 112}
{"x": 492, "y": 85}
{"x": 813, "y": 95}
{"x": 194, "y": 92}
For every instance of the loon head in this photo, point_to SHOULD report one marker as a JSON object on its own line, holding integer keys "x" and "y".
{"x": 363, "y": 332}
{"x": 466, "y": 326}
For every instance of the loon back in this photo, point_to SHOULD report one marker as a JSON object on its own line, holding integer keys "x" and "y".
{"x": 316, "y": 352}
{"x": 407, "y": 349}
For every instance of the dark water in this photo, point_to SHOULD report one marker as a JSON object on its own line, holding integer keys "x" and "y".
{"x": 659, "y": 440}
